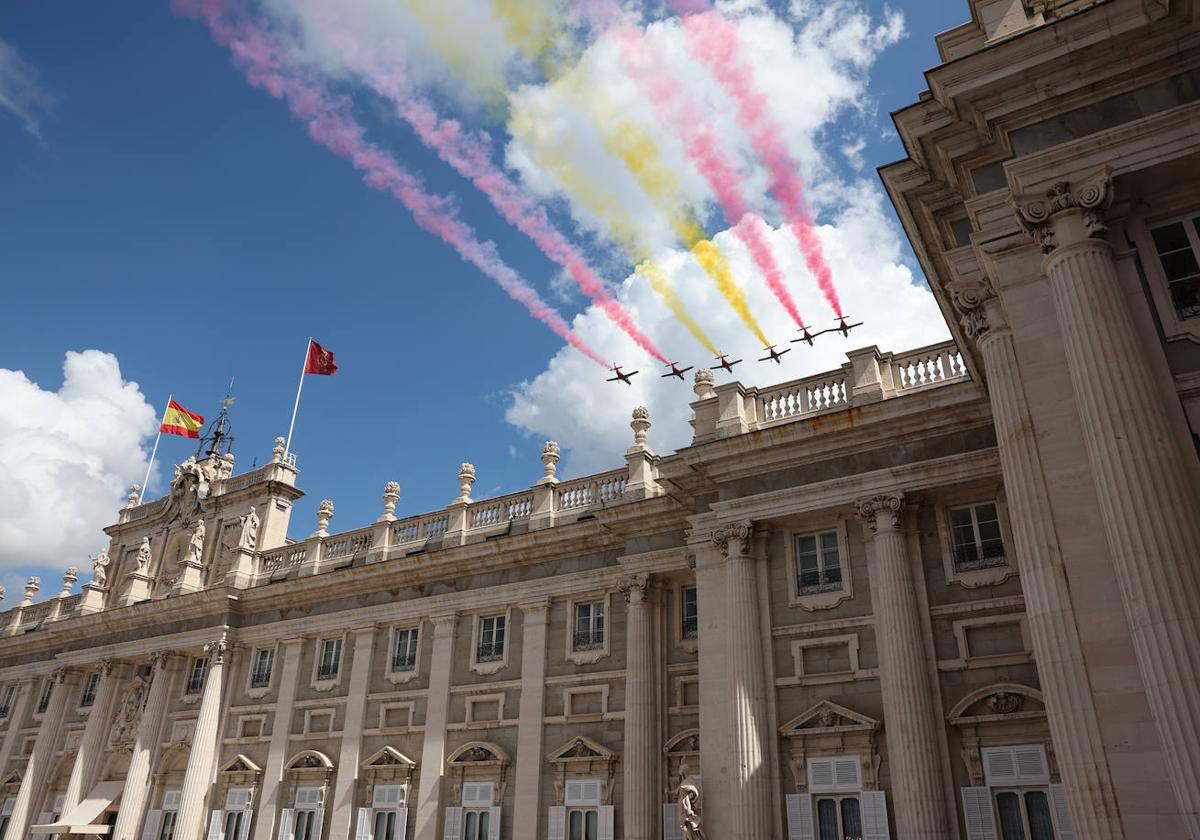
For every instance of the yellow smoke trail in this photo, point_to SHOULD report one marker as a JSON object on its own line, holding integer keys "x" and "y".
{"x": 443, "y": 36}
{"x": 657, "y": 277}
{"x": 539, "y": 32}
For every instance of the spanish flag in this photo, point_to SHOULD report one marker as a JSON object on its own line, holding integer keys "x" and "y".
{"x": 177, "y": 420}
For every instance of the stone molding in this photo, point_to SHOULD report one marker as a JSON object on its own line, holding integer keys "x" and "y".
{"x": 635, "y": 587}
{"x": 881, "y": 512}
{"x": 1091, "y": 197}
{"x": 739, "y": 532}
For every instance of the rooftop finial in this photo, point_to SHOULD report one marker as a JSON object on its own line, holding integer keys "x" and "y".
{"x": 279, "y": 450}
{"x": 131, "y": 500}
{"x": 550, "y": 455}
{"x": 391, "y": 495}
{"x": 324, "y": 514}
{"x": 466, "y": 477}
{"x": 703, "y": 384}
{"x": 69, "y": 577}
{"x": 640, "y": 425}
{"x": 31, "y": 588}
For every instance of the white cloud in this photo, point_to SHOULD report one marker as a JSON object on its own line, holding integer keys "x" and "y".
{"x": 67, "y": 457}
{"x": 20, "y": 91}
{"x": 565, "y": 402}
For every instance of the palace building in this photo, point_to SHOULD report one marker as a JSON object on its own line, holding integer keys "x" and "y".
{"x": 950, "y": 593}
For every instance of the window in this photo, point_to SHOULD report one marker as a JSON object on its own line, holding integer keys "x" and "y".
{"x": 260, "y": 676}
{"x": 975, "y": 535}
{"x": 476, "y": 824}
{"x": 691, "y": 624}
{"x": 233, "y": 824}
{"x": 6, "y": 699}
{"x": 404, "y": 650}
{"x": 6, "y": 813}
{"x": 1024, "y": 814}
{"x": 838, "y": 818}
{"x": 385, "y": 825}
{"x": 477, "y": 811}
{"x": 1178, "y": 247}
{"x": 330, "y": 661}
{"x": 195, "y": 681}
{"x": 170, "y": 807}
{"x": 306, "y": 825}
{"x": 818, "y": 563}
{"x": 385, "y": 799}
{"x": 309, "y": 813}
{"x": 491, "y": 639}
{"x": 589, "y": 626}
{"x": 583, "y": 824}
{"x": 44, "y": 698}
{"x": 582, "y": 799}
{"x": 88, "y": 698}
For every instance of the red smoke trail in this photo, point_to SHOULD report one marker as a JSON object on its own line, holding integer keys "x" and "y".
{"x": 714, "y": 40}
{"x": 468, "y": 154}
{"x": 683, "y": 115}
{"x": 329, "y": 124}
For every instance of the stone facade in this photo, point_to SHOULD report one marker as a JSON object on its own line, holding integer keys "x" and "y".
{"x": 949, "y": 593}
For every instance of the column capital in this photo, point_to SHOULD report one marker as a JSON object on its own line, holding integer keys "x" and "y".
{"x": 160, "y": 659}
{"x": 1046, "y": 216}
{"x": 217, "y": 650}
{"x": 978, "y": 306}
{"x": 634, "y": 587}
{"x": 61, "y": 675}
{"x": 881, "y": 512}
{"x": 732, "y": 539}
{"x": 535, "y": 611}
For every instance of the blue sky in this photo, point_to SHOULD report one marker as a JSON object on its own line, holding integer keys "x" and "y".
{"x": 181, "y": 220}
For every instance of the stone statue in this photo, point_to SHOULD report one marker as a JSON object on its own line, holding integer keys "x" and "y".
{"x": 124, "y": 728}
{"x": 194, "y": 553}
{"x": 143, "y": 556}
{"x": 249, "y": 535}
{"x": 100, "y": 569}
{"x": 690, "y": 812}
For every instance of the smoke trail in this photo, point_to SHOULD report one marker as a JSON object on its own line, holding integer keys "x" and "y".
{"x": 657, "y": 277}
{"x": 469, "y": 155}
{"x": 329, "y": 124}
{"x": 683, "y": 116}
{"x": 714, "y": 41}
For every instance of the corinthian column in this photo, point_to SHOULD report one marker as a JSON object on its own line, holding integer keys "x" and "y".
{"x": 912, "y": 738}
{"x": 64, "y": 680}
{"x": 189, "y": 822}
{"x": 641, "y": 744}
{"x": 1062, "y": 672}
{"x": 1147, "y": 495}
{"x": 751, "y": 812}
{"x": 91, "y": 745}
{"x": 137, "y": 780}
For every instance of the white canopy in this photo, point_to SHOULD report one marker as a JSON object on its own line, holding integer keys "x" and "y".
{"x": 81, "y": 819}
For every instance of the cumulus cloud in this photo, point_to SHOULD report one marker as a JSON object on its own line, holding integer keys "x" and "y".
{"x": 66, "y": 459}
{"x": 564, "y": 402}
{"x": 20, "y": 91}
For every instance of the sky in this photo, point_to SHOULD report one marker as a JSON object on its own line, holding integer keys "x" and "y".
{"x": 169, "y": 224}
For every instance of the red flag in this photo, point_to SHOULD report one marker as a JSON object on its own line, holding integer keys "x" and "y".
{"x": 320, "y": 360}
{"x": 177, "y": 420}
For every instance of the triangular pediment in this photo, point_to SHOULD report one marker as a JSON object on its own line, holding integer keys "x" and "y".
{"x": 828, "y": 716}
{"x": 241, "y": 764}
{"x": 13, "y": 778}
{"x": 580, "y": 748}
{"x": 388, "y": 757}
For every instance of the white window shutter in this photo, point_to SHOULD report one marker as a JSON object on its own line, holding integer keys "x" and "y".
{"x": 672, "y": 830}
{"x": 847, "y": 773}
{"x": 363, "y": 828}
{"x": 604, "y": 822}
{"x": 494, "y": 823}
{"x": 874, "y": 815}
{"x": 800, "y": 817}
{"x": 820, "y": 774}
{"x": 557, "y": 823}
{"x": 453, "y": 824}
{"x": 171, "y": 800}
{"x": 1064, "y": 828}
{"x": 401, "y": 824}
{"x": 153, "y": 823}
{"x": 43, "y": 818}
{"x": 318, "y": 822}
{"x": 999, "y": 765}
{"x": 7, "y": 810}
{"x": 244, "y": 830}
{"x": 978, "y": 814}
{"x": 287, "y": 823}
{"x": 237, "y": 799}
{"x": 216, "y": 826}
{"x": 1031, "y": 764}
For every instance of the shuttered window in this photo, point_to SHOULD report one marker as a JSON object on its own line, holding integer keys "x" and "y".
{"x": 1178, "y": 247}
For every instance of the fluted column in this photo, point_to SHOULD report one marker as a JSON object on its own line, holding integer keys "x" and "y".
{"x": 433, "y": 750}
{"x": 1148, "y": 499}
{"x": 1062, "y": 671}
{"x": 751, "y": 813}
{"x": 641, "y": 791}
{"x": 912, "y": 739}
{"x": 277, "y": 752}
{"x": 16, "y": 715}
{"x": 91, "y": 745}
{"x": 527, "y": 805}
{"x": 31, "y": 788}
{"x": 348, "y": 756}
{"x": 190, "y": 822}
{"x": 163, "y": 667}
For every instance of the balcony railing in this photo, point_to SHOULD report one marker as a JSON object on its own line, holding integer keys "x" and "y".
{"x": 489, "y": 652}
{"x": 588, "y": 640}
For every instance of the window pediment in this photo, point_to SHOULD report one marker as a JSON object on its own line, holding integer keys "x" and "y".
{"x": 828, "y": 717}
{"x": 829, "y": 729}
{"x": 581, "y": 749}
{"x": 386, "y": 758}
{"x": 478, "y": 753}
{"x": 241, "y": 764}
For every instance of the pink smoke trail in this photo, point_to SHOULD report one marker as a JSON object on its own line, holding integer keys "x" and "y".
{"x": 468, "y": 155}
{"x": 683, "y": 116}
{"x": 714, "y": 41}
{"x": 329, "y": 124}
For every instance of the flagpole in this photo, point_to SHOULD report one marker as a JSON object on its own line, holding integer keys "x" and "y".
{"x": 154, "y": 451}
{"x": 287, "y": 447}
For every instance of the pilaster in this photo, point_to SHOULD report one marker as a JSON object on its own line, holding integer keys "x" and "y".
{"x": 530, "y": 723}
{"x": 433, "y": 751}
{"x": 642, "y": 742}
{"x": 356, "y": 709}
{"x": 132, "y": 808}
{"x": 1145, "y": 480}
{"x": 912, "y": 735}
{"x": 277, "y": 753}
{"x": 16, "y": 714}
{"x": 189, "y": 823}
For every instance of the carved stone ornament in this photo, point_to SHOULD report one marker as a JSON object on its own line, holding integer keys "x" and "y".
{"x": 1005, "y": 702}
{"x": 634, "y": 587}
{"x": 691, "y": 812}
{"x": 194, "y": 553}
{"x": 135, "y": 491}
{"x": 189, "y": 484}
{"x": 100, "y": 569}
{"x": 1036, "y": 213}
{"x": 880, "y": 510}
{"x": 969, "y": 298}
{"x": 722, "y": 536}
{"x": 124, "y": 728}
{"x": 143, "y": 555}
{"x": 550, "y": 455}
{"x": 217, "y": 650}
{"x": 248, "y": 534}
